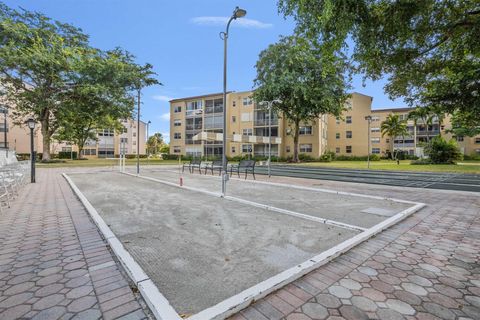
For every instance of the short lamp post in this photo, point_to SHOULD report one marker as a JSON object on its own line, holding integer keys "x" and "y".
{"x": 237, "y": 13}
{"x": 269, "y": 104}
{"x": 369, "y": 119}
{"x": 31, "y": 125}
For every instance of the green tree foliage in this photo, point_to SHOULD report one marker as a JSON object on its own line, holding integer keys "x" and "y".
{"x": 292, "y": 70}
{"x": 50, "y": 72}
{"x": 155, "y": 143}
{"x": 429, "y": 49}
{"x": 463, "y": 125}
{"x": 441, "y": 151}
{"x": 393, "y": 127}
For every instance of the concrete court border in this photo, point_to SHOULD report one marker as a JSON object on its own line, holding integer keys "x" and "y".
{"x": 160, "y": 306}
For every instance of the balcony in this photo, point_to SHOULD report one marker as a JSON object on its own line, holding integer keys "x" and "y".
{"x": 404, "y": 145}
{"x": 193, "y": 127}
{"x": 430, "y": 133}
{"x": 264, "y": 122}
{"x": 191, "y": 141}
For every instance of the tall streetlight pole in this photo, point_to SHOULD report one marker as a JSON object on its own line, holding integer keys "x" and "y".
{"x": 31, "y": 125}
{"x": 369, "y": 119}
{"x": 269, "y": 105}
{"x": 138, "y": 130}
{"x": 237, "y": 13}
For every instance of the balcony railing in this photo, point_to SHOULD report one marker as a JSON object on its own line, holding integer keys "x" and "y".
{"x": 430, "y": 133}
{"x": 193, "y": 127}
{"x": 191, "y": 141}
{"x": 404, "y": 145}
{"x": 264, "y": 122}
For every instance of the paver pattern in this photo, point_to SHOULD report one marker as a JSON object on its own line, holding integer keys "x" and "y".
{"x": 426, "y": 267}
{"x": 53, "y": 262}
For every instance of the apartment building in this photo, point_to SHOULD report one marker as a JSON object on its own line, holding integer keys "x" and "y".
{"x": 107, "y": 145}
{"x": 196, "y": 127}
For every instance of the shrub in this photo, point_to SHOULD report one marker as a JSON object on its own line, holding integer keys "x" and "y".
{"x": 473, "y": 156}
{"x": 305, "y": 157}
{"x": 169, "y": 156}
{"x": 67, "y": 155}
{"x": 441, "y": 151}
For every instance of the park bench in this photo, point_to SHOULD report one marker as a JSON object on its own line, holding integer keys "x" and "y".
{"x": 244, "y": 166}
{"x": 215, "y": 165}
{"x": 195, "y": 163}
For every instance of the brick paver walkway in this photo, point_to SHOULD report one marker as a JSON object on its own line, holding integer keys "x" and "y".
{"x": 53, "y": 262}
{"x": 426, "y": 267}
{"x": 55, "y": 265}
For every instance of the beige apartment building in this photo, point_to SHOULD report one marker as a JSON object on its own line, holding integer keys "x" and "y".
{"x": 107, "y": 145}
{"x": 196, "y": 126}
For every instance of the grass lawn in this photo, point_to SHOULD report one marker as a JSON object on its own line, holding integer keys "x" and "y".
{"x": 461, "y": 167}
{"x": 104, "y": 163}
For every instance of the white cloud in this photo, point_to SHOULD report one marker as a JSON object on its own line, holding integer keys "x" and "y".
{"x": 221, "y": 21}
{"x": 162, "y": 98}
{"x": 164, "y": 117}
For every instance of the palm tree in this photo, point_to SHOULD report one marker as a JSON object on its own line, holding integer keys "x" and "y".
{"x": 423, "y": 114}
{"x": 393, "y": 127}
{"x": 436, "y": 112}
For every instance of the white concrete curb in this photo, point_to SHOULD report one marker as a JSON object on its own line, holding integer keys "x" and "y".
{"x": 158, "y": 304}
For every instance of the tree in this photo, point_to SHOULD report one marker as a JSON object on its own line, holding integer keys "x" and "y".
{"x": 101, "y": 95}
{"x": 49, "y": 71}
{"x": 429, "y": 49}
{"x": 292, "y": 71}
{"x": 393, "y": 127}
{"x": 36, "y": 57}
{"x": 155, "y": 143}
{"x": 463, "y": 125}
{"x": 441, "y": 151}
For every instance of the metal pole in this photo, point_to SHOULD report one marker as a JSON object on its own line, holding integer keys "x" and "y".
{"x": 368, "y": 156}
{"x": 269, "y": 136}
{"x": 147, "y": 151}
{"x": 5, "y": 127}
{"x": 224, "y": 143}
{"x": 138, "y": 131}
{"x": 32, "y": 158}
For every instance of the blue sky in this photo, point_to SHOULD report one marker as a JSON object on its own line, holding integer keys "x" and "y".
{"x": 181, "y": 39}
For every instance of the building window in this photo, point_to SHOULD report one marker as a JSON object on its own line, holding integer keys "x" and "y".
{"x": 176, "y": 149}
{"x": 66, "y": 149}
{"x": 337, "y": 120}
{"x": 134, "y": 134}
{"x": 387, "y": 141}
{"x": 89, "y": 152}
{"x": 305, "y": 130}
{"x": 349, "y": 134}
{"x": 247, "y": 132}
{"x": 348, "y": 149}
{"x": 375, "y": 140}
{"x": 134, "y": 143}
{"x": 375, "y": 129}
{"x": 124, "y": 130}
{"x": 460, "y": 138}
{"x": 287, "y": 149}
{"x": 247, "y": 101}
{"x": 337, "y": 150}
{"x": 177, "y": 109}
{"x": 177, "y": 135}
{"x": 246, "y": 148}
{"x": 124, "y": 140}
{"x": 337, "y": 135}
{"x": 306, "y": 147}
{"x": 234, "y": 119}
{"x": 106, "y": 133}
{"x": 348, "y": 119}
{"x": 375, "y": 118}
{"x": 177, "y": 123}
{"x": 477, "y": 140}
{"x": 376, "y": 150}
{"x": 234, "y": 103}
{"x": 233, "y": 149}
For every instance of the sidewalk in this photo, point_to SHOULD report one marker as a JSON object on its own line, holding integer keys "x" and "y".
{"x": 53, "y": 262}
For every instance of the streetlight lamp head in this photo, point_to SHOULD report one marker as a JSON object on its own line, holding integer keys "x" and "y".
{"x": 239, "y": 13}
{"x": 31, "y": 123}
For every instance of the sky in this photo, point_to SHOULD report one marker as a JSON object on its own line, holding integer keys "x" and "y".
{"x": 181, "y": 40}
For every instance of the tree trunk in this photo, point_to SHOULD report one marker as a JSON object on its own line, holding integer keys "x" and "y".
{"x": 46, "y": 140}
{"x": 295, "y": 141}
{"x": 393, "y": 147}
